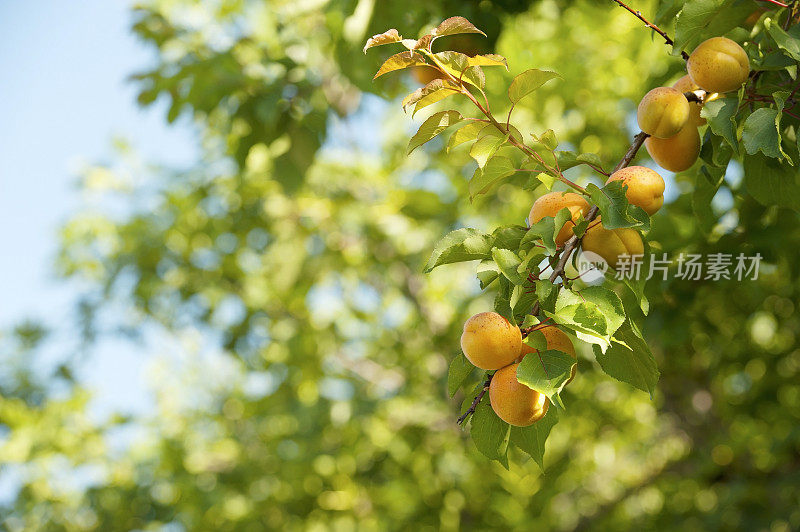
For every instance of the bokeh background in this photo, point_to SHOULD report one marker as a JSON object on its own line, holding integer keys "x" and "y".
{"x": 213, "y": 314}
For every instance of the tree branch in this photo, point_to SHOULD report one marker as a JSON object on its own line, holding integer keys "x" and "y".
{"x": 474, "y": 405}
{"x": 638, "y": 14}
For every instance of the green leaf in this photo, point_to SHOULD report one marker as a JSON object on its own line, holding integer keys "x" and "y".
{"x": 431, "y": 127}
{"x": 532, "y": 439}
{"x": 488, "y": 60}
{"x": 460, "y": 245}
{"x": 787, "y": 43}
{"x": 614, "y": 207}
{"x": 772, "y": 183}
{"x": 636, "y": 286}
{"x": 465, "y": 133}
{"x": 549, "y": 140}
{"x": 630, "y": 361}
{"x": 707, "y": 182}
{"x": 387, "y": 37}
{"x": 458, "y": 66}
{"x": 546, "y": 372}
{"x": 508, "y": 237}
{"x": 547, "y": 294}
{"x": 486, "y": 145}
{"x": 490, "y": 433}
{"x": 454, "y": 26}
{"x": 436, "y": 90}
{"x": 460, "y": 369}
{"x": 496, "y": 168}
{"x": 595, "y": 310}
{"x": 545, "y": 230}
{"x": 399, "y": 62}
{"x": 522, "y": 300}
{"x": 721, "y": 117}
{"x": 508, "y": 262}
{"x": 487, "y": 272}
{"x": 701, "y": 19}
{"x": 527, "y": 82}
{"x": 502, "y": 299}
{"x": 761, "y": 133}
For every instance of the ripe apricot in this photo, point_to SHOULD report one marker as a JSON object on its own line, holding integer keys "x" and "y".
{"x": 677, "y": 153}
{"x": 489, "y": 341}
{"x": 425, "y": 74}
{"x": 718, "y": 65}
{"x": 645, "y": 186}
{"x": 556, "y": 339}
{"x": 512, "y": 401}
{"x": 551, "y": 203}
{"x": 611, "y": 244}
{"x": 684, "y": 85}
{"x": 662, "y": 112}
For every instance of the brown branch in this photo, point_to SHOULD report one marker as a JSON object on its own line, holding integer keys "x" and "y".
{"x": 638, "y": 14}
{"x": 474, "y": 405}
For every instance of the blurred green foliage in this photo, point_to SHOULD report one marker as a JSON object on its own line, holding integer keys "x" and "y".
{"x": 296, "y": 245}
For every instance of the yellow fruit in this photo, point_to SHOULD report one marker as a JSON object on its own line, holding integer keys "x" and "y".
{"x": 513, "y": 402}
{"x": 552, "y": 202}
{"x": 677, "y": 153}
{"x": 613, "y": 243}
{"x": 556, "y": 339}
{"x": 645, "y": 186}
{"x": 684, "y": 85}
{"x": 489, "y": 341}
{"x": 663, "y": 112}
{"x": 425, "y": 74}
{"x": 718, "y": 65}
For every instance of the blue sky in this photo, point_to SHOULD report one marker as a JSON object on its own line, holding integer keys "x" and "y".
{"x": 64, "y": 95}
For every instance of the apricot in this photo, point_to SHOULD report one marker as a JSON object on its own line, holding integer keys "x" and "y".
{"x": 677, "y": 153}
{"x": 489, "y": 341}
{"x": 512, "y": 401}
{"x": 425, "y": 74}
{"x": 551, "y": 203}
{"x": 645, "y": 186}
{"x": 718, "y": 65}
{"x": 556, "y": 339}
{"x": 683, "y": 85}
{"x": 612, "y": 243}
{"x": 663, "y": 112}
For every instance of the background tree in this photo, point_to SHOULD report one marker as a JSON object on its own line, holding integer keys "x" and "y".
{"x": 296, "y": 245}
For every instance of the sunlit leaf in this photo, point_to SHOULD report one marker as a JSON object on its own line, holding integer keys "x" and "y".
{"x": 454, "y": 26}
{"x": 527, "y": 82}
{"x": 431, "y": 127}
{"x": 399, "y": 62}
{"x": 387, "y": 37}
{"x": 459, "y": 246}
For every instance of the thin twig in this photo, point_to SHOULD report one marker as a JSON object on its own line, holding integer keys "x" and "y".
{"x": 638, "y": 14}
{"x": 474, "y": 405}
{"x": 781, "y": 4}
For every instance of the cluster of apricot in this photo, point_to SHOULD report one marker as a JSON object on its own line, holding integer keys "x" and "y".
{"x": 716, "y": 66}
{"x": 492, "y": 343}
